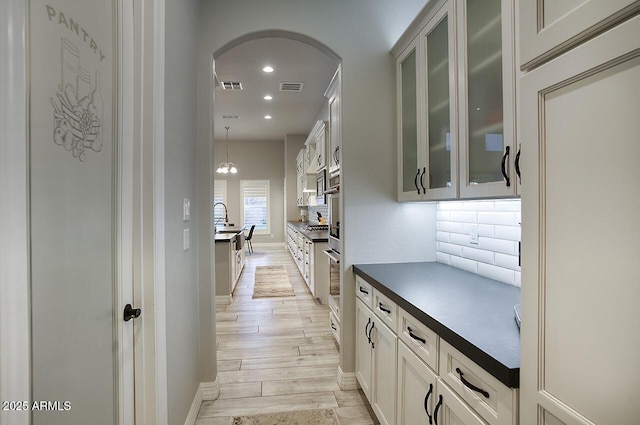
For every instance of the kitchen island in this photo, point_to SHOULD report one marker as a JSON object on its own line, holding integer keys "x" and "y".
{"x": 229, "y": 254}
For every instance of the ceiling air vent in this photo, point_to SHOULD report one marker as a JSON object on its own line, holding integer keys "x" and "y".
{"x": 229, "y": 117}
{"x": 231, "y": 85}
{"x": 290, "y": 86}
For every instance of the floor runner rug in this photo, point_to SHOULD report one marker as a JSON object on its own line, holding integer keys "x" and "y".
{"x": 272, "y": 281}
{"x": 300, "y": 417}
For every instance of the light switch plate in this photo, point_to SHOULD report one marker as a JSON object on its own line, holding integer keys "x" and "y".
{"x": 473, "y": 234}
{"x": 185, "y": 239}
{"x": 186, "y": 210}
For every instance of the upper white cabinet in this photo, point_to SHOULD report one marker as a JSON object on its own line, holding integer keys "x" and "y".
{"x": 316, "y": 147}
{"x": 550, "y": 27}
{"x": 333, "y": 94}
{"x": 579, "y": 125}
{"x": 427, "y": 144}
{"x": 486, "y": 41}
{"x": 456, "y": 104}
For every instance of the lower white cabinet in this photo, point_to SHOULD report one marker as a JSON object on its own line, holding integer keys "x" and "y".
{"x": 363, "y": 347}
{"x": 416, "y": 388}
{"x": 451, "y": 410}
{"x": 376, "y": 363}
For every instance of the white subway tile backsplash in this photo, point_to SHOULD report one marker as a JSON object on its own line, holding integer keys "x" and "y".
{"x": 487, "y": 230}
{"x": 459, "y": 239}
{"x": 449, "y": 248}
{"x": 511, "y": 205}
{"x": 442, "y": 215}
{"x": 502, "y": 218}
{"x": 511, "y": 233}
{"x": 497, "y": 273}
{"x": 450, "y": 205}
{"x": 443, "y": 258}
{"x": 443, "y": 236}
{"x": 506, "y": 261}
{"x": 448, "y": 226}
{"x": 479, "y": 206}
{"x": 496, "y": 254}
{"x": 478, "y": 254}
{"x": 464, "y": 264}
{"x": 498, "y": 245}
{"x": 464, "y": 216}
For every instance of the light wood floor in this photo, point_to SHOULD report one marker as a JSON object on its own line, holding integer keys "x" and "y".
{"x": 278, "y": 354}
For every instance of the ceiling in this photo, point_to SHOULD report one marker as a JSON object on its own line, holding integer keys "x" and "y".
{"x": 291, "y": 112}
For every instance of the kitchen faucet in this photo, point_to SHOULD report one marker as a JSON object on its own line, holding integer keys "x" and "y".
{"x": 225, "y": 218}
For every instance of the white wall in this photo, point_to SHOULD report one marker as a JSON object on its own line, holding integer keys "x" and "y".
{"x": 255, "y": 161}
{"x": 376, "y": 227}
{"x": 182, "y": 289}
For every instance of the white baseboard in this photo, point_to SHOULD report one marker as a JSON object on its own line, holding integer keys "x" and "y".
{"x": 206, "y": 391}
{"x": 347, "y": 381}
{"x": 224, "y": 299}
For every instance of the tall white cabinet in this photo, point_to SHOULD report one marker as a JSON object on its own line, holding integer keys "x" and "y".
{"x": 580, "y": 127}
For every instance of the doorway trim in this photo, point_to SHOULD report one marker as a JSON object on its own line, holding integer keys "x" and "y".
{"x": 15, "y": 314}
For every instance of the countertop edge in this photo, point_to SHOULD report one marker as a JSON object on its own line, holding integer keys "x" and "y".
{"x": 505, "y": 374}
{"x": 319, "y": 237}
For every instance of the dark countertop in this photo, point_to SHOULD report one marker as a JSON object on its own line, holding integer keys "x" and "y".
{"x": 312, "y": 236}
{"x": 228, "y": 234}
{"x": 472, "y": 313}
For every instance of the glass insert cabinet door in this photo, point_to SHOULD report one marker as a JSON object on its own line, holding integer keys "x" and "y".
{"x": 487, "y": 129}
{"x": 440, "y": 80}
{"x": 408, "y": 132}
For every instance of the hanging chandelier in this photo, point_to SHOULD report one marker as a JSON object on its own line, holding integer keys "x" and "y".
{"x": 227, "y": 167}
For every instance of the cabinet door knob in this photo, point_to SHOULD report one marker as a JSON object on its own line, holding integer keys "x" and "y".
{"x": 130, "y": 313}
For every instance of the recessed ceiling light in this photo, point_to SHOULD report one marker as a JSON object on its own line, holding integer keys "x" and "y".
{"x": 268, "y": 97}
{"x": 267, "y": 117}
{"x": 267, "y": 69}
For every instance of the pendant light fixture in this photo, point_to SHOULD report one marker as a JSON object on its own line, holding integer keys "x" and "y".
{"x": 227, "y": 167}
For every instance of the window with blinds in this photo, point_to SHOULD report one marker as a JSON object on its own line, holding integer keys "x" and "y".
{"x": 255, "y": 204}
{"x": 219, "y": 195}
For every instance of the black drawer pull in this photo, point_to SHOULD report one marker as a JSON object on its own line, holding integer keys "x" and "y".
{"x": 381, "y": 307}
{"x": 470, "y": 385}
{"x": 370, "y": 330}
{"x": 363, "y": 291}
{"x": 414, "y": 336}
{"x": 517, "y": 163}
{"x": 426, "y": 402}
{"x": 333, "y": 327}
{"x": 435, "y": 412}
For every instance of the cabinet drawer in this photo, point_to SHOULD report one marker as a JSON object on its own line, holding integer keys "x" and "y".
{"x": 419, "y": 338}
{"x": 385, "y": 309}
{"x": 335, "y": 326}
{"x": 334, "y": 305}
{"x": 364, "y": 291}
{"x": 494, "y": 401}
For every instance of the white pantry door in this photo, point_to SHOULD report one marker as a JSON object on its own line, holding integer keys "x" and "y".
{"x": 81, "y": 347}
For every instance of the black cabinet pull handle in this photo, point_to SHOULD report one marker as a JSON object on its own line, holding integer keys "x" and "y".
{"x": 504, "y": 171}
{"x": 424, "y": 170}
{"x": 365, "y": 330}
{"x": 517, "y": 164}
{"x": 130, "y": 313}
{"x": 370, "y": 330}
{"x": 426, "y": 402}
{"x": 381, "y": 307}
{"x": 435, "y": 412}
{"x": 470, "y": 385}
{"x": 338, "y": 154}
{"x": 415, "y": 181}
{"x": 363, "y": 291}
{"x": 414, "y": 336}
{"x": 333, "y": 326}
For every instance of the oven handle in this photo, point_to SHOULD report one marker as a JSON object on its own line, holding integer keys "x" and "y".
{"x": 332, "y": 255}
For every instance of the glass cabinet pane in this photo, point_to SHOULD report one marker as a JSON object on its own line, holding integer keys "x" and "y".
{"x": 438, "y": 120}
{"x": 409, "y": 123}
{"x": 484, "y": 85}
